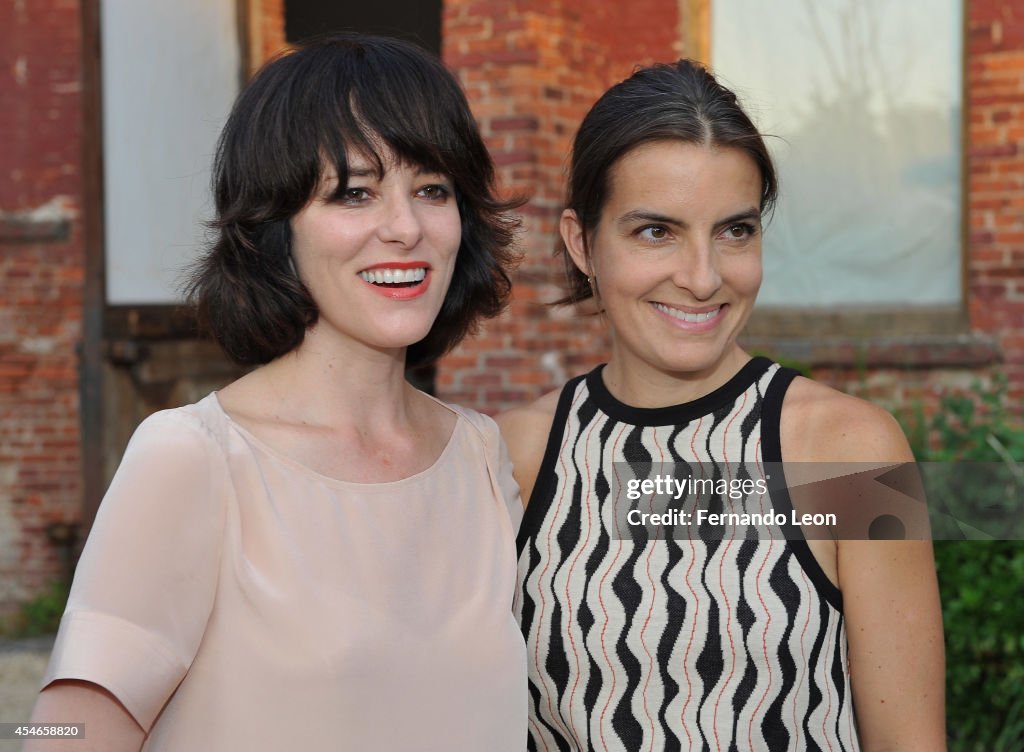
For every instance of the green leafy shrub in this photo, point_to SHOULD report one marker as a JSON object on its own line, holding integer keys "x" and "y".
{"x": 41, "y": 615}
{"x": 981, "y": 582}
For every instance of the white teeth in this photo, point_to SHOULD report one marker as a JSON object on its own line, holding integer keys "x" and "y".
{"x": 394, "y": 276}
{"x": 692, "y": 318}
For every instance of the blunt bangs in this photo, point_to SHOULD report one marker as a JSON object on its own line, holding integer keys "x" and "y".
{"x": 384, "y": 96}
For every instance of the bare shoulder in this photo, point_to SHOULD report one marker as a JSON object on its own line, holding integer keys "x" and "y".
{"x": 530, "y": 418}
{"x": 525, "y": 430}
{"x": 822, "y": 424}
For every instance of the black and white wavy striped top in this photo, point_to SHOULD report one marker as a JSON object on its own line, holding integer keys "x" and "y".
{"x": 692, "y": 644}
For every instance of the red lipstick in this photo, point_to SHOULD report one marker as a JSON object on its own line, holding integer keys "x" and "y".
{"x": 398, "y": 265}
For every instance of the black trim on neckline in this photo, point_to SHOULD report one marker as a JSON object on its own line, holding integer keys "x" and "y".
{"x": 543, "y": 492}
{"x": 771, "y": 454}
{"x": 751, "y": 371}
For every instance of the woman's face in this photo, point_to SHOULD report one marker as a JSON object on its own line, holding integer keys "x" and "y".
{"x": 378, "y": 260}
{"x": 676, "y": 256}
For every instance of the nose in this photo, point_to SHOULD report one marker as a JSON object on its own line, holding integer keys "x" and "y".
{"x": 399, "y": 222}
{"x": 697, "y": 271}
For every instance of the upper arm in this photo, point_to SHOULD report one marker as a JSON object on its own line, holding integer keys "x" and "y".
{"x": 894, "y": 618}
{"x": 145, "y": 585}
{"x": 109, "y": 726}
{"x": 894, "y": 627}
{"x": 889, "y": 588}
{"x": 526, "y": 431}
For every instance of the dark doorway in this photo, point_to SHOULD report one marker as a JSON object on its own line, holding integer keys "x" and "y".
{"x": 415, "y": 20}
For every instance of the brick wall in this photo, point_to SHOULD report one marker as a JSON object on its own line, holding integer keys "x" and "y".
{"x": 995, "y": 175}
{"x": 531, "y": 70}
{"x": 41, "y": 277}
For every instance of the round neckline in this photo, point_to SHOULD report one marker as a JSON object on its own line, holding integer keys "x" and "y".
{"x": 679, "y": 413}
{"x": 284, "y": 459}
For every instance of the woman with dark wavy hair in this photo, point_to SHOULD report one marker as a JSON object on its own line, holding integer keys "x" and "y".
{"x": 691, "y": 631}
{"x": 318, "y": 556}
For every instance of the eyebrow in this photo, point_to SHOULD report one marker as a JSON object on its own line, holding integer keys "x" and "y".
{"x": 360, "y": 171}
{"x": 644, "y": 215}
{"x": 752, "y": 214}
{"x": 329, "y": 181}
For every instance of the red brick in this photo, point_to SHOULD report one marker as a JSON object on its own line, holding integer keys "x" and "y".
{"x": 513, "y": 57}
{"x": 41, "y": 271}
{"x": 514, "y": 124}
{"x": 992, "y": 150}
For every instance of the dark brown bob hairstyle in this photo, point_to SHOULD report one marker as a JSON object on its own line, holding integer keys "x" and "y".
{"x": 301, "y": 114}
{"x": 678, "y": 101}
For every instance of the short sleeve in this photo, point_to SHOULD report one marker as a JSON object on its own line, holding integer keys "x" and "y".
{"x": 145, "y": 584}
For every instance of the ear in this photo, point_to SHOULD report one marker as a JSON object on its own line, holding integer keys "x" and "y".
{"x": 575, "y": 241}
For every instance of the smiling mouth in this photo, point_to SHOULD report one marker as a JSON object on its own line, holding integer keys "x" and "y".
{"x": 391, "y": 277}
{"x": 690, "y": 318}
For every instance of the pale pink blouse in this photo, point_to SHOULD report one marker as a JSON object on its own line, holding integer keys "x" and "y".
{"x": 233, "y": 599}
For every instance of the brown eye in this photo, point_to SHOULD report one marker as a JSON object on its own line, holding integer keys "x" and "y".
{"x": 434, "y": 192}
{"x": 653, "y": 232}
{"x": 740, "y": 231}
{"x": 355, "y": 195}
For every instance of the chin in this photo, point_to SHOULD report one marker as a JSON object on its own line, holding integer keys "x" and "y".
{"x": 699, "y": 362}
{"x": 404, "y": 339}
{"x": 401, "y": 331}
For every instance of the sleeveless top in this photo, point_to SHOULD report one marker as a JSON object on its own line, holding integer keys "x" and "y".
{"x": 731, "y": 644}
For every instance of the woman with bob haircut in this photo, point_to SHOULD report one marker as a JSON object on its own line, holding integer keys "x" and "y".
{"x": 685, "y": 634}
{"x": 318, "y": 556}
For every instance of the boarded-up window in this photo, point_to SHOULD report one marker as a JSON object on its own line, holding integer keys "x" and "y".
{"x": 865, "y": 99}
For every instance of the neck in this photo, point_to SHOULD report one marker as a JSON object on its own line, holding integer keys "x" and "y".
{"x": 646, "y": 386}
{"x": 341, "y": 386}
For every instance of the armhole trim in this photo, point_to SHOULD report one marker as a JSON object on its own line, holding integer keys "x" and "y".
{"x": 771, "y": 452}
{"x": 543, "y": 492}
